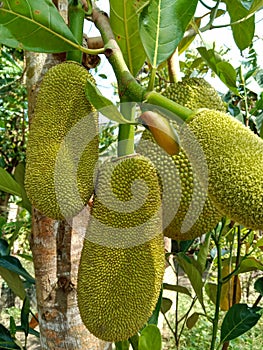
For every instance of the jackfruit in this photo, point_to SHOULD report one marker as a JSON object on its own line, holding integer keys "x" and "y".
{"x": 62, "y": 148}
{"x": 187, "y": 210}
{"x": 122, "y": 261}
{"x": 194, "y": 93}
{"x": 234, "y": 155}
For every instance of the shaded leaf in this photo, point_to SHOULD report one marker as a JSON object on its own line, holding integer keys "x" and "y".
{"x": 25, "y": 316}
{"x": 13, "y": 281}
{"x": 258, "y": 285}
{"x": 243, "y": 32}
{"x": 34, "y": 26}
{"x": 13, "y": 264}
{"x": 104, "y": 105}
{"x": 224, "y": 70}
{"x": 122, "y": 345}
{"x": 239, "y": 319}
{"x": 125, "y": 26}
{"x": 211, "y": 290}
{"x": 166, "y": 305}
{"x": 150, "y": 338}
{"x": 193, "y": 275}
{"x": 177, "y": 288}
{"x": 4, "y": 247}
{"x": 191, "y": 321}
{"x": 6, "y": 340}
{"x": 188, "y": 39}
{"x": 8, "y": 184}
{"x": 162, "y": 25}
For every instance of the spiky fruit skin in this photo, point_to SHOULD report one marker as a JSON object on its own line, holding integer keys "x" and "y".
{"x": 234, "y": 156}
{"x": 122, "y": 261}
{"x": 187, "y": 210}
{"x": 195, "y": 93}
{"x": 62, "y": 148}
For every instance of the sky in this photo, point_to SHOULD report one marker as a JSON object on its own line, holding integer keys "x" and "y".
{"x": 222, "y": 37}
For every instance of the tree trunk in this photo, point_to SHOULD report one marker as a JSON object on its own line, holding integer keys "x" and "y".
{"x": 56, "y": 248}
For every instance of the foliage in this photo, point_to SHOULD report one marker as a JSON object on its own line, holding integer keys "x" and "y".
{"x": 148, "y": 31}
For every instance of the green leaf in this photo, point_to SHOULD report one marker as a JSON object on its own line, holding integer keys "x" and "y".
{"x": 211, "y": 290}
{"x": 162, "y": 25}
{"x": 177, "y": 288}
{"x": 191, "y": 321}
{"x": 243, "y": 32}
{"x": 155, "y": 315}
{"x": 193, "y": 275}
{"x": 166, "y": 305}
{"x": 35, "y": 26}
{"x": 224, "y": 70}
{"x": 14, "y": 282}
{"x": 12, "y": 326}
{"x": 25, "y": 316}
{"x": 203, "y": 253}
{"x": 19, "y": 176}
{"x": 238, "y": 320}
{"x": 101, "y": 103}
{"x": 250, "y": 264}
{"x": 256, "y": 6}
{"x": 124, "y": 23}
{"x": 258, "y": 285}
{"x": 150, "y": 338}
{"x": 6, "y": 340}
{"x": 13, "y": 264}
{"x": 4, "y": 247}
{"x": 122, "y": 345}
{"x": 8, "y": 184}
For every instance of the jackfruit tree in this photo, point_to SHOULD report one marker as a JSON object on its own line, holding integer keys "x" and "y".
{"x": 100, "y": 223}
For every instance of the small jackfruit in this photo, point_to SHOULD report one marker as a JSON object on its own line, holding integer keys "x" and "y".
{"x": 122, "y": 261}
{"x": 234, "y": 155}
{"x": 187, "y": 210}
{"x": 194, "y": 93}
{"x": 62, "y": 148}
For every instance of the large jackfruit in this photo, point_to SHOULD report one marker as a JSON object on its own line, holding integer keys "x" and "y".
{"x": 194, "y": 93}
{"x": 187, "y": 210}
{"x": 234, "y": 156}
{"x": 62, "y": 148}
{"x": 122, "y": 261}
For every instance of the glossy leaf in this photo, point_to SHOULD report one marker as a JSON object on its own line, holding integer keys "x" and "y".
{"x": 177, "y": 288}
{"x": 8, "y": 184}
{"x": 13, "y": 264}
{"x": 35, "y": 26}
{"x": 258, "y": 285}
{"x": 162, "y": 25}
{"x": 150, "y": 338}
{"x": 224, "y": 70}
{"x": 239, "y": 319}
{"x": 193, "y": 275}
{"x": 125, "y": 26}
{"x": 103, "y": 105}
{"x": 243, "y": 32}
{"x": 191, "y": 321}
{"x": 13, "y": 281}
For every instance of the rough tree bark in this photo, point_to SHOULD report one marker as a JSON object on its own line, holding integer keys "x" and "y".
{"x": 56, "y": 247}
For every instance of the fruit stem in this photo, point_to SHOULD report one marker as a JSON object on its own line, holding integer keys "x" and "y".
{"x": 174, "y": 67}
{"x": 127, "y": 84}
{"x": 76, "y": 22}
{"x": 126, "y": 131}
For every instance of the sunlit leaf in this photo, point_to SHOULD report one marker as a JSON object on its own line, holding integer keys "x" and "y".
{"x": 125, "y": 26}
{"x": 34, "y": 26}
{"x": 162, "y": 25}
{"x": 150, "y": 338}
{"x": 13, "y": 264}
{"x": 228, "y": 290}
{"x": 13, "y": 281}
{"x": 8, "y": 184}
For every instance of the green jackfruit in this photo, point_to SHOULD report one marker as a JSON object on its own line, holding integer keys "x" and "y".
{"x": 62, "y": 148}
{"x": 194, "y": 93}
{"x": 122, "y": 261}
{"x": 187, "y": 210}
{"x": 234, "y": 156}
